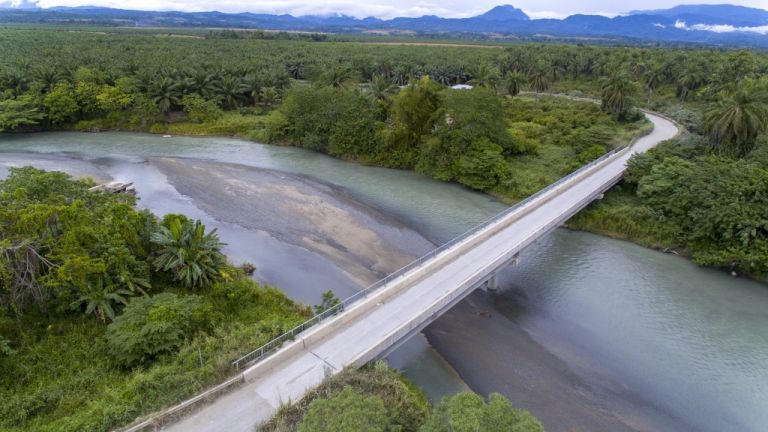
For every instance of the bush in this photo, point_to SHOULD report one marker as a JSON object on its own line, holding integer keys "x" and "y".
{"x": 200, "y": 110}
{"x": 151, "y": 326}
{"x": 468, "y": 412}
{"x": 406, "y": 405}
{"x": 348, "y": 411}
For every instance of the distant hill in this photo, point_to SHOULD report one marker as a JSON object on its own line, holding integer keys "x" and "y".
{"x": 504, "y": 13}
{"x": 738, "y": 16}
{"x": 501, "y": 21}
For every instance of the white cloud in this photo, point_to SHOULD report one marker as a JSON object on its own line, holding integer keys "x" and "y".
{"x": 721, "y": 28}
{"x": 546, "y": 14}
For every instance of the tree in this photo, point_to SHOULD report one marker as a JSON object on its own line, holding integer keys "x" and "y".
{"x": 61, "y": 105}
{"x": 538, "y": 80}
{"x": 16, "y": 113}
{"x": 164, "y": 93}
{"x": 468, "y": 412}
{"x": 329, "y": 300}
{"x": 193, "y": 256}
{"x": 616, "y": 93}
{"x": 348, "y": 411}
{"x": 113, "y": 98}
{"x": 48, "y": 77}
{"x": 411, "y": 117}
{"x": 513, "y": 83}
{"x": 736, "y": 121}
{"x": 75, "y": 249}
{"x": 152, "y": 326}
{"x": 652, "y": 79}
{"x": 231, "y": 91}
{"x": 482, "y": 166}
{"x": 484, "y": 76}
{"x": 381, "y": 88}
{"x": 336, "y": 76}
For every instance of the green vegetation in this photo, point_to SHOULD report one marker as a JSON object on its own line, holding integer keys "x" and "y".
{"x": 679, "y": 196}
{"x": 98, "y": 324}
{"x": 389, "y": 105}
{"x": 405, "y": 406}
{"x": 469, "y": 412}
{"x": 376, "y": 398}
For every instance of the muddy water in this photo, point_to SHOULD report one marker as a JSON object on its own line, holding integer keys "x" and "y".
{"x": 588, "y": 333}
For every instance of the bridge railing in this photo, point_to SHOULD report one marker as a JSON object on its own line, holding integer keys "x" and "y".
{"x": 271, "y": 346}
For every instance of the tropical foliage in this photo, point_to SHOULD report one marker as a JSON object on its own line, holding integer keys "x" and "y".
{"x": 187, "y": 251}
{"x": 71, "y": 260}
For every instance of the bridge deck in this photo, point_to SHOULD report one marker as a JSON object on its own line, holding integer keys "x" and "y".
{"x": 388, "y": 319}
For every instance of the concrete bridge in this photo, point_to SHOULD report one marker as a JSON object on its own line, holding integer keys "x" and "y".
{"x": 402, "y": 305}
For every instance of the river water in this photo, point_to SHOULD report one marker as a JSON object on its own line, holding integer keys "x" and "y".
{"x": 636, "y": 330}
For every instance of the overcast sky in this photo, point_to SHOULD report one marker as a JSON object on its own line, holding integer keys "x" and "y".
{"x": 391, "y": 8}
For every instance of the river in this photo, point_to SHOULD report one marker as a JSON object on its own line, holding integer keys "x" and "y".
{"x": 587, "y": 332}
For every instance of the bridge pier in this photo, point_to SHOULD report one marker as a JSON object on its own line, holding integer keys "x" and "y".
{"x": 492, "y": 283}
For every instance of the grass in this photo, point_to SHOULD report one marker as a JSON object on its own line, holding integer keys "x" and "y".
{"x": 62, "y": 378}
{"x": 232, "y": 123}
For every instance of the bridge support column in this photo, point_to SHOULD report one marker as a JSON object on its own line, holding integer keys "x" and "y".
{"x": 492, "y": 284}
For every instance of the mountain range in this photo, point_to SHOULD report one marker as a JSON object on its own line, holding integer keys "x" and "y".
{"x": 709, "y": 24}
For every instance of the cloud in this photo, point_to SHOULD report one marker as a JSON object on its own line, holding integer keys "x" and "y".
{"x": 721, "y": 28}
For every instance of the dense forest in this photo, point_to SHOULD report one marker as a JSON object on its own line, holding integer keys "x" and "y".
{"x": 95, "y": 290}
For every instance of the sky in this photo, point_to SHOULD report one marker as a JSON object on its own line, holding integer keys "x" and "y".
{"x": 389, "y": 8}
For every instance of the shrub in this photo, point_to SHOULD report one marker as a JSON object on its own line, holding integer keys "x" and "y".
{"x": 348, "y": 411}
{"x": 193, "y": 256}
{"x": 200, "y": 110}
{"x": 468, "y": 412}
{"x": 151, "y": 326}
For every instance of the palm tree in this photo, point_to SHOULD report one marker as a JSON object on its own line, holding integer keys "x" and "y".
{"x": 99, "y": 299}
{"x": 205, "y": 84}
{"x": 381, "y": 88}
{"x": 652, "y": 79}
{"x": 401, "y": 75}
{"x": 253, "y": 84}
{"x": 513, "y": 83}
{"x": 231, "y": 90}
{"x": 738, "y": 119}
{"x": 538, "y": 80}
{"x": 269, "y": 96}
{"x": 165, "y": 93}
{"x": 616, "y": 92}
{"x": 194, "y": 257}
{"x": 484, "y": 76}
{"x": 688, "y": 81}
{"x": 47, "y": 78}
{"x": 336, "y": 76}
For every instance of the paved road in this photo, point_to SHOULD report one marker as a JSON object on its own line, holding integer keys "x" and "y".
{"x": 386, "y": 318}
